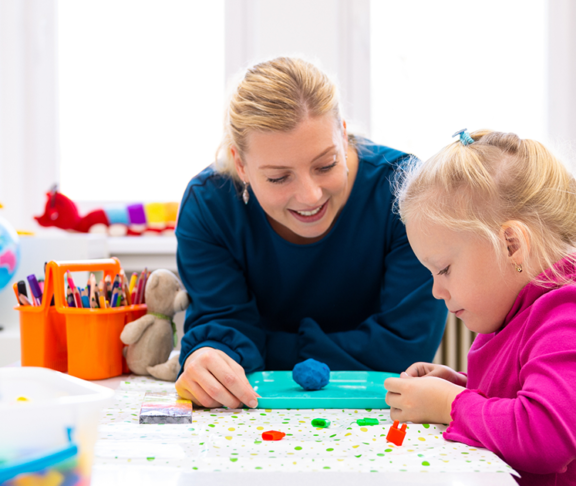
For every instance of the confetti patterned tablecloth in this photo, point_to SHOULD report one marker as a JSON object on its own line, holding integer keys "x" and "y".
{"x": 231, "y": 440}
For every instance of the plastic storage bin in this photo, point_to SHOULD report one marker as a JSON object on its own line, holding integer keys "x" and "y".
{"x": 48, "y": 426}
{"x": 84, "y": 342}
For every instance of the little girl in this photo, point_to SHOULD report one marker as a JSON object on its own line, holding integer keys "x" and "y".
{"x": 493, "y": 217}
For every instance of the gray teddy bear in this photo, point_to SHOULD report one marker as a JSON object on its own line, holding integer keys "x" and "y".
{"x": 152, "y": 337}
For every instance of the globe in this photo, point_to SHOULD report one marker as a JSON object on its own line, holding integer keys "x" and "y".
{"x": 9, "y": 252}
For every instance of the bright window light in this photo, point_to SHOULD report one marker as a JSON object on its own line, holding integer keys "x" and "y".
{"x": 141, "y": 91}
{"x": 439, "y": 66}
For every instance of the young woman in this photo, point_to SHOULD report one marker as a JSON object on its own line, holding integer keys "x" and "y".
{"x": 289, "y": 247}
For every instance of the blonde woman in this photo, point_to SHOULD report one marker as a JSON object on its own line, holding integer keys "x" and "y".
{"x": 492, "y": 217}
{"x": 289, "y": 248}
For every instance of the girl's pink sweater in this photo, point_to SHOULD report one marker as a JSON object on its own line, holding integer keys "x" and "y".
{"x": 520, "y": 400}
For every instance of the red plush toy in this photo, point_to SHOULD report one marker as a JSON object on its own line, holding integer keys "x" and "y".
{"x": 132, "y": 220}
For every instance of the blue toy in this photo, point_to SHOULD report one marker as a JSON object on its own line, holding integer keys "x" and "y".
{"x": 311, "y": 374}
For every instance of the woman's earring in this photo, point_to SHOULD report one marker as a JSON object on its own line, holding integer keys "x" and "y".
{"x": 245, "y": 194}
{"x": 518, "y": 268}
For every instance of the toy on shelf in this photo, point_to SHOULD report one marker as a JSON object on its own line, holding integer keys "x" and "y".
{"x": 152, "y": 337}
{"x": 150, "y": 219}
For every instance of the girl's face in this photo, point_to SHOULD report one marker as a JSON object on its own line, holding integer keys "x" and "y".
{"x": 300, "y": 177}
{"x": 467, "y": 275}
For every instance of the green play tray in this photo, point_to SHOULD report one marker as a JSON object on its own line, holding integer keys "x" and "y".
{"x": 347, "y": 389}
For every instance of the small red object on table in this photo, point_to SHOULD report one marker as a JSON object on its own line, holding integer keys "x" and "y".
{"x": 396, "y": 435}
{"x": 272, "y": 435}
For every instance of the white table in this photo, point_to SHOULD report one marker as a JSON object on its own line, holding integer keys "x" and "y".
{"x": 124, "y": 474}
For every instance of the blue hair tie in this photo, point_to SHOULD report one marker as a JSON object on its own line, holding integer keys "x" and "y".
{"x": 465, "y": 137}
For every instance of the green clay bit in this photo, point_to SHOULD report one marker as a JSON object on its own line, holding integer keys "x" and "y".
{"x": 367, "y": 421}
{"x": 320, "y": 423}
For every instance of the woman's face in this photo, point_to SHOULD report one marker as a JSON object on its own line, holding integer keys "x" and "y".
{"x": 300, "y": 177}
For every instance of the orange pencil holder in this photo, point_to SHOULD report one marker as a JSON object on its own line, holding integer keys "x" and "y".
{"x": 84, "y": 342}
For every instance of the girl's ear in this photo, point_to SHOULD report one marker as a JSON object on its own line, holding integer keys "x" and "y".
{"x": 516, "y": 239}
{"x": 239, "y": 164}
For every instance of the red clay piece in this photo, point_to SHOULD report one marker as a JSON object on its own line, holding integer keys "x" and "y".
{"x": 272, "y": 435}
{"x": 396, "y": 435}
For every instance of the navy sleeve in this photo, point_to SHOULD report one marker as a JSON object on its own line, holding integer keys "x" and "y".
{"x": 223, "y": 312}
{"x": 408, "y": 328}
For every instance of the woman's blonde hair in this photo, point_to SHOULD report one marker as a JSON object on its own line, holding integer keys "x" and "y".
{"x": 498, "y": 178}
{"x": 274, "y": 96}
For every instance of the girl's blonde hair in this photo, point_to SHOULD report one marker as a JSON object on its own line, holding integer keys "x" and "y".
{"x": 274, "y": 96}
{"x": 498, "y": 178}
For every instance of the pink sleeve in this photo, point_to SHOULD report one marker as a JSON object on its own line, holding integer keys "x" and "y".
{"x": 536, "y": 430}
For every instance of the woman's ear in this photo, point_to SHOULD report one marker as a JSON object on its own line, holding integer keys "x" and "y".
{"x": 238, "y": 164}
{"x": 516, "y": 239}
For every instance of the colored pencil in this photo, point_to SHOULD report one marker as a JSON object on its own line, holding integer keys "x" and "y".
{"x": 75, "y": 291}
{"x": 70, "y": 298}
{"x": 22, "y": 288}
{"x": 93, "y": 290}
{"x": 35, "y": 289}
{"x": 15, "y": 287}
{"x": 85, "y": 298}
{"x": 23, "y": 300}
{"x": 133, "y": 281}
{"x": 139, "y": 289}
{"x": 108, "y": 286}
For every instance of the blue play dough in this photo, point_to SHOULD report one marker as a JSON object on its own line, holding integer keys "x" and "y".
{"x": 311, "y": 374}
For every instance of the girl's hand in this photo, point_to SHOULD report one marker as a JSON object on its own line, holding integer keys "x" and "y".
{"x": 212, "y": 379}
{"x": 440, "y": 371}
{"x": 421, "y": 400}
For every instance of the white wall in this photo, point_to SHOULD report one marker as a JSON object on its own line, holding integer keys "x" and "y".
{"x": 334, "y": 33}
{"x": 562, "y": 72}
{"x": 28, "y": 108}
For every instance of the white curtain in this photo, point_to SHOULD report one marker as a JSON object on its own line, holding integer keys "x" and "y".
{"x": 28, "y": 108}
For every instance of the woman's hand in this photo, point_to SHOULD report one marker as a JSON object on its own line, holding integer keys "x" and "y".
{"x": 427, "y": 399}
{"x": 212, "y": 379}
{"x": 440, "y": 371}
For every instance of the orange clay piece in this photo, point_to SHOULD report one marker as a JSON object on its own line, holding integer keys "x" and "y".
{"x": 396, "y": 435}
{"x": 272, "y": 435}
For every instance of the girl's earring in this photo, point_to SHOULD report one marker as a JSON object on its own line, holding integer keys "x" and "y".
{"x": 518, "y": 268}
{"x": 245, "y": 194}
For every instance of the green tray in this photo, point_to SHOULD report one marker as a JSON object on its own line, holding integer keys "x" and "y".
{"x": 347, "y": 389}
